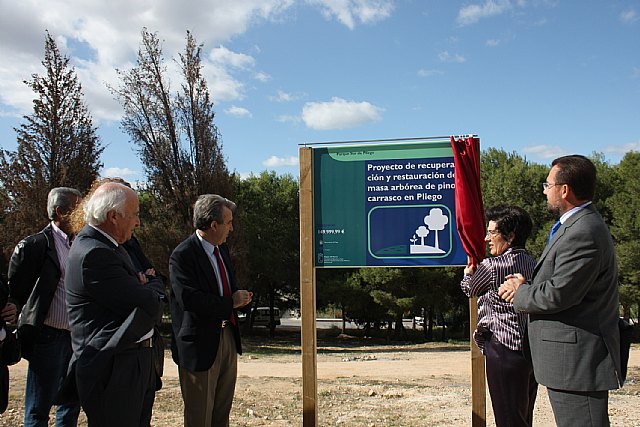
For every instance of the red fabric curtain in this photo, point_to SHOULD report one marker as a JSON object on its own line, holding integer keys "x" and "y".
{"x": 468, "y": 194}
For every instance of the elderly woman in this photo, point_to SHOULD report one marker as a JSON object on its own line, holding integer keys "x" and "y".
{"x": 500, "y": 331}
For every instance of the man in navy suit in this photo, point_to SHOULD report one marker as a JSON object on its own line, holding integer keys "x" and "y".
{"x": 204, "y": 295}
{"x": 112, "y": 313}
{"x": 572, "y": 301}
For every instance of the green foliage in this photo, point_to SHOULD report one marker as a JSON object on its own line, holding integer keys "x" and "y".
{"x": 508, "y": 178}
{"x": 268, "y": 238}
{"x": 624, "y": 205}
{"x": 608, "y": 184}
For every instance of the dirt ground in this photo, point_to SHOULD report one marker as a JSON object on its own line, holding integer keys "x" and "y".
{"x": 358, "y": 385}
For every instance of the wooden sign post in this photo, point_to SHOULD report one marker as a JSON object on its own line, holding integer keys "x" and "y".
{"x": 308, "y": 293}
{"x": 478, "y": 387}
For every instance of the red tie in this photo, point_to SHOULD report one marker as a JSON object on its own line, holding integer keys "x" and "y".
{"x": 226, "y": 291}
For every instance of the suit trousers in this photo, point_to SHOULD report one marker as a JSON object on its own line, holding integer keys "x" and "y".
{"x": 512, "y": 385}
{"x": 123, "y": 399}
{"x": 208, "y": 395}
{"x": 580, "y": 408}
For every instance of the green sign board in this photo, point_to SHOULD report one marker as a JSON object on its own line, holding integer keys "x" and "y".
{"x": 389, "y": 204}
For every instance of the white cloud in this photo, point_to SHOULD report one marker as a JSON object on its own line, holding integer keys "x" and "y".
{"x": 474, "y": 12}
{"x": 623, "y": 148}
{"x": 238, "y": 112}
{"x": 120, "y": 172}
{"x": 636, "y": 72}
{"x": 339, "y": 114}
{"x": 285, "y": 118}
{"x": 350, "y": 11}
{"x": 283, "y": 96}
{"x": 629, "y": 16}
{"x": 103, "y": 36}
{"x": 448, "y": 57}
{"x": 276, "y": 162}
{"x": 245, "y": 175}
{"x": 545, "y": 152}
{"x": 224, "y": 56}
{"x": 11, "y": 114}
{"x": 423, "y": 72}
{"x": 492, "y": 42}
{"x": 262, "y": 77}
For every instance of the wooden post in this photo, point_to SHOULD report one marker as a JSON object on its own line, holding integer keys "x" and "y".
{"x": 308, "y": 293}
{"x": 478, "y": 387}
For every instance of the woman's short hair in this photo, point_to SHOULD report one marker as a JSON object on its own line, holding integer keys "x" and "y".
{"x": 108, "y": 197}
{"x": 511, "y": 219}
{"x": 208, "y": 208}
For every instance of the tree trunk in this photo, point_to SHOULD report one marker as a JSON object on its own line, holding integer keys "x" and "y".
{"x": 430, "y": 327}
{"x": 272, "y": 322}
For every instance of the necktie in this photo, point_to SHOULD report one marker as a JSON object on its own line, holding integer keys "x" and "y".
{"x": 226, "y": 290}
{"x": 554, "y": 229}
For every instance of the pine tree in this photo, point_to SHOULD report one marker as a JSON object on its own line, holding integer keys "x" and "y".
{"x": 177, "y": 139}
{"x": 57, "y": 146}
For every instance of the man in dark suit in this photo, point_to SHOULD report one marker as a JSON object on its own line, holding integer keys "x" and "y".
{"x": 36, "y": 280}
{"x": 204, "y": 295}
{"x": 112, "y": 312}
{"x": 572, "y": 301}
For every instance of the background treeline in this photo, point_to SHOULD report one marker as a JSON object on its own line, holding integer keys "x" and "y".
{"x": 181, "y": 149}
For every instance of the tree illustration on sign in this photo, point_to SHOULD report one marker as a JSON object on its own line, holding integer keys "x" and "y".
{"x": 436, "y": 221}
{"x": 422, "y": 232}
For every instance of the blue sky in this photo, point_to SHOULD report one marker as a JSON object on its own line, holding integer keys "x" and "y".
{"x": 540, "y": 77}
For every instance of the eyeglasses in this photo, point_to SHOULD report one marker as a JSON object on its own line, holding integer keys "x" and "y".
{"x": 492, "y": 233}
{"x": 548, "y": 185}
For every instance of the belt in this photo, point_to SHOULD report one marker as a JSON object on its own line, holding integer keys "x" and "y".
{"x": 224, "y": 324}
{"x": 55, "y": 330}
{"x": 148, "y": 343}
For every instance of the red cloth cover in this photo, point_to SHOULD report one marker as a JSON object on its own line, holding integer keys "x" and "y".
{"x": 469, "y": 209}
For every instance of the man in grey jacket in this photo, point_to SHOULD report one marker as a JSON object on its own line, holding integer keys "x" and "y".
{"x": 572, "y": 301}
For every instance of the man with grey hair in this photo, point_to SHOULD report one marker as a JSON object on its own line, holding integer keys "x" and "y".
{"x": 112, "y": 312}
{"x": 36, "y": 282}
{"x": 204, "y": 296}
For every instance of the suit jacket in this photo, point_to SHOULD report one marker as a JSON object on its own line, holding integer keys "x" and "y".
{"x": 4, "y": 371}
{"x": 572, "y": 301}
{"x": 34, "y": 273}
{"x": 197, "y": 308}
{"x": 141, "y": 264}
{"x": 103, "y": 297}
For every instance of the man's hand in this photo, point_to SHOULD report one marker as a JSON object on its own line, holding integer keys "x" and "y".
{"x": 241, "y": 298}
{"x": 507, "y": 291}
{"x": 142, "y": 278}
{"x": 9, "y": 313}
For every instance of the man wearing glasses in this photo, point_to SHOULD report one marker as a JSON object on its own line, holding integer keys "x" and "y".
{"x": 572, "y": 301}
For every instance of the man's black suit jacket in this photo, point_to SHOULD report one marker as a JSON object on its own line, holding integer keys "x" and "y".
{"x": 197, "y": 308}
{"x": 109, "y": 309}
{"x": 34, "y": 273}
{"x": 4, "y": 371}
